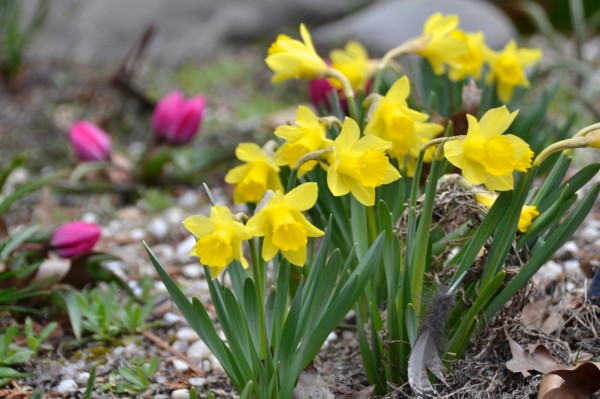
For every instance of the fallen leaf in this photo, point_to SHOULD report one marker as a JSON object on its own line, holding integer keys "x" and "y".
{"x": 533, "y": 314}
{"x": 539, "y": 359}
{"x": 571, "y": 383}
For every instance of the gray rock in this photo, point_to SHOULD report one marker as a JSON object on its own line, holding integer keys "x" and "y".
{"x": 385, "y": 25}
{"x": 311, "y": 386}
{"x": 108, "y": 29}
{"x": 82, "y": 378}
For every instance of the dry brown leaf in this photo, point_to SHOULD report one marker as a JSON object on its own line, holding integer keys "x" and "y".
{"x": 533, "y": 314}
{"x": 43, "y": 210}
{"x": 522, "y": 361}
{"x": 571, "y": 383}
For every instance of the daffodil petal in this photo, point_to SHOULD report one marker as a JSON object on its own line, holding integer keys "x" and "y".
{"x": 302, "y": 197}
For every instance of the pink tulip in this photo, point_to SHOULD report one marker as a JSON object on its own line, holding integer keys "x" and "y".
{"x": 320, "y": 91}
{"x": 74, "y": 238}
{"x": 90, "y": 142}
{"x": 176, "y": 120}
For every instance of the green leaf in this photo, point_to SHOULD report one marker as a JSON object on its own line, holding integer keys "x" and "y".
{"x": 542, "y": 253}
{"x": 7, "y": 201}
{"x": 74, "y": 311}
{"x": 199, "y": 320}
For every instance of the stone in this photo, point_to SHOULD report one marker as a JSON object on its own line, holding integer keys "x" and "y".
{"x": 180, "y": 346}
{"x": 82, "y": 378}
{"x": 158, "y": 228}
{"x": 180, "y": 366}
{"x": 385, "y": 25}
{"x": 172, "y": 318}
{"x": 185, "y": 247}
{"x": 192, "y": 271}
{"x": 198, "y": 351}
{"x": 180, "y": 394}
{"x": 184, "y": 29}
{"x": 188, "y": 200}
{"x": 187, "y": 334}
{"x": 197, "y": 381}
{"x": 66, "y": 386}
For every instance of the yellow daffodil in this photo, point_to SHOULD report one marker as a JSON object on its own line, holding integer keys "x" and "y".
{"x": 485, "y": 155}
{"x": 290, "y": 58}
{"x": 283, "y": 225}
{"x": 256, "y": 176}
{"x": 358, "y": 165}
{"x": 309, "y": 135}
{"x": 507, "y": 68}
{"x": 528, "y": 212}
{"x": 441, "y": 47}
{"x": 392, "y": 120}
{"x": 469, "y": 62}
{"x": 219, "y": 239}
{"x": 353, "y": 61}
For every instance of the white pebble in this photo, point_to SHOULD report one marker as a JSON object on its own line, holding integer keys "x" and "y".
{"x": 66, "y": 386}
{"x": 159, "y": 287}
{"x": 174, "y": 215}
{"x": 198, "y": 351}
{"x": 172, "y": 318}
{"x": 549, "y": 271}
{"x": 137, "y": 234}
{"x": 216, "y": 366}
{"x": 192, "y": 271}
{"x": 180, "y": 366}
{"x": 331, "y": 337}
{"x": 570, "y": 286}
{"x": 163, "y": 252}
{"x": 347, "y": 334}
{"x": 570, "y": 246}
{"x": 187, "y": 334}
{"x": 206, "y": 366}
{"x": 185, "y": 247}
{"x": 180, "y": 346}
{"x": 572, "y": 266}
{"x": 82, "y": 378}
{"x": 197, "y": 381}
{"x": 159, "y": 228}
{"x": 590, "y": 233}
{"x": 89, "y": 217}
{"x": 189, "y": 199}
{"x": 161, "y": 395}
{"x": 180, "y": 394}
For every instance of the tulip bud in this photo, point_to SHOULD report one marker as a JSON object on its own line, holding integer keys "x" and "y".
{"x": 320, "y": 90}
{"x": 175, "y": 120}
{"x": 74, "y": 238}
{"x": 89, "y": 142}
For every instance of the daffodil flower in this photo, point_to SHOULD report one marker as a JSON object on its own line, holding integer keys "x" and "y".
{"x": 469, "y": 62}
{"x": 507, "y": 68}
{"x": 353, "y": 61}
{"x": 290, "y": 58}
{"x": 358, "y": 165}
{"x": 485, "y": 155}
{"x": 283, "y": 225}
{"x": 219, "y": 239}
{"x": 256, "y": 176}
{"x": 392, "y": 120}
{"x": 528, "y": 212}
{"x": 309, "y": 135}
{"x": 441, "y": 48}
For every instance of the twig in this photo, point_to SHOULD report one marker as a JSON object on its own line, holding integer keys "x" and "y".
{"x": 154, "y": 338}
{"x": 122, "y": 78}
